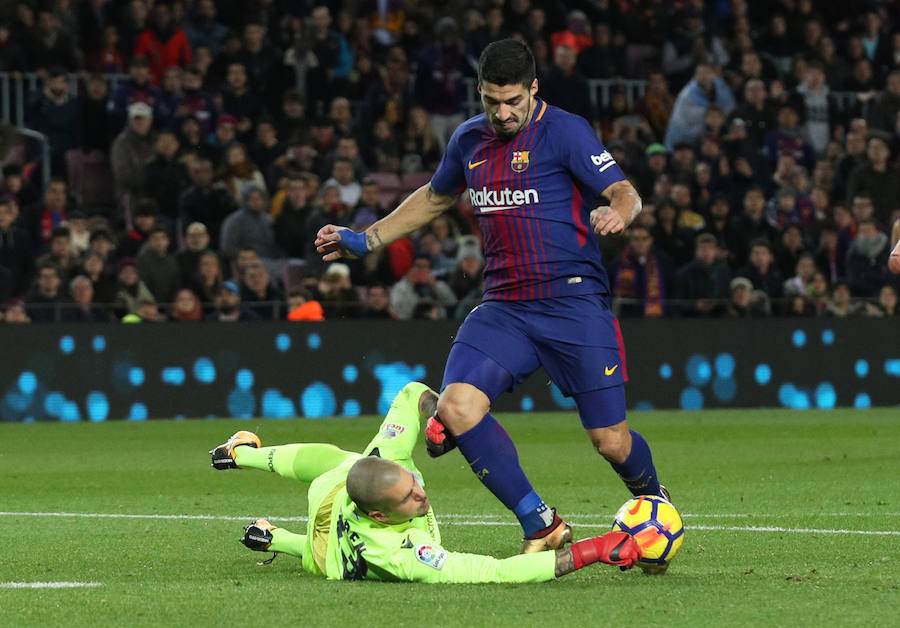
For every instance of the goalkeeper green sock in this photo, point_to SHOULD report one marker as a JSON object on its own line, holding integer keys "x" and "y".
{"x": 303, "y": 462}
{"x": 287, "y": 542}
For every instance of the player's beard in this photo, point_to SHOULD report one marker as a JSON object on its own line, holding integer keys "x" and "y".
{"x": 505, "y": 133}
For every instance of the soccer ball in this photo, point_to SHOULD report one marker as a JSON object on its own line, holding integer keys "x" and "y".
{"x": 656, "y": 527}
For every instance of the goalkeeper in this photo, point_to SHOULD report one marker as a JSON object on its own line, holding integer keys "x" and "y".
{"x": 369, "y": 516}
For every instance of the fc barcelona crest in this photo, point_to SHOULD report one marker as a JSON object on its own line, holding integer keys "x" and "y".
{"x": 519, "y": 162}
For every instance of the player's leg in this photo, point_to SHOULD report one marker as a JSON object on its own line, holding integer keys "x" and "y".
{"x": 472, "y": 380}
{"x": 302, "y": 461}
{"x": 602, "y": 414}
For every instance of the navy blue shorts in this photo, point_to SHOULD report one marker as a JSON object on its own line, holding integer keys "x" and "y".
{"x": 576, "y": 339}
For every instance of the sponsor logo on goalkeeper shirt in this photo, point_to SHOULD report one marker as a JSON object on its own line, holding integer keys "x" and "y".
{"x": 392, "y": 430}
{"x": 430, "y": 555}
{"x": 498, "y": 200}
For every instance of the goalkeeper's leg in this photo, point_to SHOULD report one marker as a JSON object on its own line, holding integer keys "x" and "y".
{"x": 303, "y": 462}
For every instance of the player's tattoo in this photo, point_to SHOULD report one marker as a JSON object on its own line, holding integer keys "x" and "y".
{"x": 437, "y": 199}
{"x": 373, "y": 240}
{"x": 565, "y": 562}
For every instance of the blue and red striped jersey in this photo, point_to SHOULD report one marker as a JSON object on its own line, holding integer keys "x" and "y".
{"x": 533, "y": 194}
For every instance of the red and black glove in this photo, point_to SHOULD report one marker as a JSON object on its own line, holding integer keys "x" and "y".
{"x": 613, "y": 548}
{"x": 438, "y": 440}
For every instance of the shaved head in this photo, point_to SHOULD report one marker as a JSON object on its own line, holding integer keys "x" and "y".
{"x": 370, "y": 480}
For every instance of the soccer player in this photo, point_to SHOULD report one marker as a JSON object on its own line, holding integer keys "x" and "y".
{"x": 369, "y": 516}
{"x": 535, "y": 175}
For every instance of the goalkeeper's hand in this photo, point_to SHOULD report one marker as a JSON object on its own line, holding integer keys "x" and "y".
{"x": 438, "y": 440}
{"x": 613, "y": 548}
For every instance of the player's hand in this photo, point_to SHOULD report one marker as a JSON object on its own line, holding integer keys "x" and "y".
{"x": 613, "y": 548}
{"x": 894, "y": 260}
{"x": 336, "y": 242}
{"x": 605, "y": 221}
{"x": 438, "y": 440}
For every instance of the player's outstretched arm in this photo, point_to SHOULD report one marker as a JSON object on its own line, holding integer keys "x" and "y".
{"x": 420, "y": 208}
{"x": 624, "y": 206}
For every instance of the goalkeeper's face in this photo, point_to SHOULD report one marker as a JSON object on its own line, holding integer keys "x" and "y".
{"x": 405, "y": 500}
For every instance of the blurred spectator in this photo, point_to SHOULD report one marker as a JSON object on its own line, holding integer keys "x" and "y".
{"x": 761, "y": 270}
{"x": 96, "y": 116}
{"x": 82, "y": 290}
{"x": 378, "y": 302}
{"x": 196, "y": 243}
{"x": 259, "y": 294}
{"x": 239, "y": 100}
{"x": 344, "y": 178}
{"x": 49, "y": 44}
{"x": 12, "y": 56}
{"x": 186, "y": 307}
{"x": 801, "y": 283}
{"x": 789, "y": 248}
{"x": 239, "y": 173}
{"x": 705, "y": 89}
{"x": 840, "y": 305}
{"x": 137, "y": 89}
{"x": 703, "y": 284}
{"x": 333, "y": 56}
{"x": 163, "y": 43}
{"x": 60, "y": 254}
{"x": 165, "y": 177}
{"x": 293, "y": 125}
{"x": 206, "y": 281}
{"x": 196, "y": 101}
{"x": 159, "y": 268}
{"x": 56, "y": 113}
{"x": 336, "y": 294}
{"x": 291, "y": 232}
{"x": 668, "y": 236}
{"x": 224, "y": 136}
{"x": 439, "y": 87}
{"x": 877, "y": 180}
{"x": 689, "y": 45}
{"x": 202, "y": 29}
{"x": 204, "y": 201}
{"x": 421, "y": 147}
{"x": 655, "y": 105}
{"x": 228, "y": 305}
{"x": 102, "y": 282}
{"x": 391, "y": 98}
{"x": 132, "y": 150}
{"x": 132, "y": 240}
{"x": 302, "y": 307}
{"x": 131, "y": 290}
{"x": 419, "y": 284}
{"x": 867, "y": 260}
{"x": 887, "y": 301}
{"x": 602, "y": 59}
{"x": 249, "y": 226}
{"x": 787, "y": 138}
{"x": 564, "y": 86}
{"x": 16, "y": 312}
{"x": 101, "y": 242}
{"x": 745, "y": 302}
{"x": 882, "y": 114}
{"x": 643, "y": 275}
{"x": 266, "y": 148}
{"x": 45, "y": 297}
{"x": 15, "y": 251}
{"x": 369, "y": 209}
{"x": 817, "y": 106}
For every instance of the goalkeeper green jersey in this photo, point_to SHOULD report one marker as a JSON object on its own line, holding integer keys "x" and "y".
{"x": 344, "y": 544}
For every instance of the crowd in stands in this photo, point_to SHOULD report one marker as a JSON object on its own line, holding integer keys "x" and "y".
{"x": 765, "y": 149}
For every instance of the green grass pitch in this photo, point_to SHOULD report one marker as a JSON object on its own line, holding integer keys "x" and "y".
{"x": 793, "y": 519}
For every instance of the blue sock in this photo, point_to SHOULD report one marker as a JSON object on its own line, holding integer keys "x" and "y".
{"x": 493, "y": 457}
{"x": 638, "y": 471}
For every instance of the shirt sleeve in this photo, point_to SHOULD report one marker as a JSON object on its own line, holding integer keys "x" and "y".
{"x": 429, "y": 562}
{"x": 450, "y": 177}
{"x": 586, "y": 158}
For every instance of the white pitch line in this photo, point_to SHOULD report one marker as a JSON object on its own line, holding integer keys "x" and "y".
{"x": 47, "y": 585}
{"x": 452, "y": 519}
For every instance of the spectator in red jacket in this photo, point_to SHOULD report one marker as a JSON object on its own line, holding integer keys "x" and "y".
{"x": 163, "y": 43}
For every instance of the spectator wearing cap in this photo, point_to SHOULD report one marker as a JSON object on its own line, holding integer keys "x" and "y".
{"x": 744, "y": 302}
{"x": 131, "y": 241}
{"x": 159, "y": 268}
{"x": 131, "y": 289}
{"x": 56, "y": 113}
{"x": 94, "y": 267}
{"x": 420, "y": 284}
{"x": 45, "y": 295}
{"x": 564, "y": 85}
{"x": 290, "y": 224}
{"x": 81, "y": 290}
{"x": 228, "y": 305}
{"x": 656, "y": 164}
{"x": 249, "y": 226}
{"x": 15, "y": 251}
{"x": 687, "y": 121}
{"x": 260, "y": 294}
{"x": 137, "y": 89}
{"x": 762, "y": 271}
{"x": 703, "y": 284}
{"x": 877, "y": 179}
{"x": 206, "y": 201}
{"x": 336, "y": 294}
{"x": 165, "y": 176}
{"x": 131, "y": 151}
{"x": 163, "y": 43}
{"x": 60, "y": 254}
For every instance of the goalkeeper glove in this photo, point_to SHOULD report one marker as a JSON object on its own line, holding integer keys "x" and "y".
{"x": 438, "y": 440}
{"x": 612, "y": 548}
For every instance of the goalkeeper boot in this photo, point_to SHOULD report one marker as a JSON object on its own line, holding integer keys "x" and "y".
{"x": 223, "y": 455}
{"x": 553, "y": 537}
{"x": 258, "y": 535}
